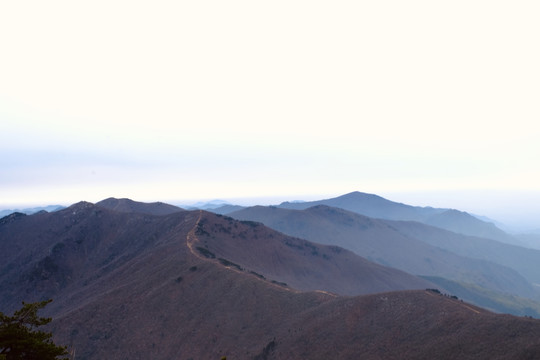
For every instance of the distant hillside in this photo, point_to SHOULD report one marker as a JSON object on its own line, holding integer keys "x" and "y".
{"x": 127, "y": 205}
{"x": 491, "y": 300}
{"x": 195, "y": 285}
{"x": 531, "y": 241}
{"x": 369, "y": 205}
{"x": 523, "y": 260}
{"x": 389, "y": 244}
{"x": 226, "y": 209}
{"x": 29, "y": 211}
{"x": 299, "y": 263}
{"x": 49, "y": 253}
{"x": 463, "y": 223}
{"x": 378, "y": 207}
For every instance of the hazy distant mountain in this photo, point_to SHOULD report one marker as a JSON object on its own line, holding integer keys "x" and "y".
{"x": 55, "y": 249}
{"x": 216, "y": 206}
{"x": 386, "y": 243}
{"x": 491, "y": 300}
{"x": 525, "y": 261}
{"x": 531, "y": 240}
{"x": 226, "y": 209}
{"x": 127, "y": 205}
{"x": 300, "y": 264}
{"x": 29, "y": 211}
{"x": 463, "y": 223}
{"x": 369, "y": 205}
{"x": 207, "y": 205}
{"x": 195, "y": 285}
{"x": 377, "y": 207}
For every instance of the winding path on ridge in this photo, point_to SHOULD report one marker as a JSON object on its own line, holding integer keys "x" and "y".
{"x": 192, "y": 240}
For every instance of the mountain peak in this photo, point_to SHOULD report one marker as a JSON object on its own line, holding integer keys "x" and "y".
{"x": 128, "y": 205}
{"x": 11, "y": 217}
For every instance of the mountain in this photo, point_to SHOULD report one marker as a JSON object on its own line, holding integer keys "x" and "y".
{"x": 388, "y": 243}
{"x": 226, "y": 209}
{"x": 378, "y": 207}
{"x": 52, "y": 252}
{"x": 530, "y": 240}
{"x": 207, "y": 205}
{"x": 127, "y": 205}
{"x": 491, "y": 300}
{"x": 216, "y": 206}
{"x": 523, "y": 260}
{"x": 463, "y": 223}
{"x": 300, "y": 264}
{"x": 29, "y": 211}
{"x": 369, "y": 205}
{"x": 405, "y": 325}
{"x": 195, "y": 285}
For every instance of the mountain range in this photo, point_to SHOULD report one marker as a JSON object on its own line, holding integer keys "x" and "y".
{"x": 32, "y": 210}
{"x": 375, "y": 206}
{"x": 135, "y": 280}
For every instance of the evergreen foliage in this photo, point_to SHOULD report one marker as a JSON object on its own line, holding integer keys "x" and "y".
{"x": 20, "y": 338}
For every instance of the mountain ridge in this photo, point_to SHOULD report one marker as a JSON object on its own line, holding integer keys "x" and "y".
{"x": 385, "y": 242}
{"x": 375, "y": 206}
{"x": 135, "y": 285}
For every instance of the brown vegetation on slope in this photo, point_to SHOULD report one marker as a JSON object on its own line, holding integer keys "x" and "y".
{"x": 160, "y": 298}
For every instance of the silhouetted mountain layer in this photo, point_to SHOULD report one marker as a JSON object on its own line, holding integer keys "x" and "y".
{"x": 51, "y": 252}
{"x": 463, "y": 223}
{"x": 127, "y": 205}
{"x": 29, "y": 211}
{"x": 378, "y": 207}
{"x": 299, "y": 263}
{"x": 195, "y": 285}
{"x": 226, "y": 209}
{"x": 525, "y": 261}
{"x": 369, "y": 205}
{"x": 491, "y": 300}
{"x": 392, "y": 244}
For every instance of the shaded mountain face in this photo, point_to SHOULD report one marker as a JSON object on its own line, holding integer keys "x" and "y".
{"x": 49, "y": 253}
{"x": 226, "y": 209}
{"x": 194, "y": 285}
{"x": 29, "y": 211}
{"x": 369, "y": 205}
{"x": 491, "y": 300}
{"x": 299, "y": 263}
{"x": 384, "y": 242}
{"x": 523, "y": 260}
{"x": 375, "y": 206}
{"x": 127, "y": 205}
{"x": 463, "y": 223}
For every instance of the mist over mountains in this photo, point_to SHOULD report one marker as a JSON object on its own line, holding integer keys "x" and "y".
{"x": 299, "y": 280}
{"x": 32, "y": 210}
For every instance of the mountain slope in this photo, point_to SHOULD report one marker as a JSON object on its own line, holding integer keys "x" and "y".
{"x": 29, "y": 211}
{"x": 463, "y": 223}
{"x": 406, "y": 325}
{"x": 369, "y": 205}
{"x": 494, "y": 301}
{"x": 378, "y": 207}
{"x": 301, "y": 264}
{"x": 137, "y": 286}
{"x": 128, "y": 205}
{"x": 523, "y": 260}
{"x": 382, "y": 242}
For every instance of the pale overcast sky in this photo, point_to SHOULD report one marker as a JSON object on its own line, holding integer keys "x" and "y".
{"x": 180, "y": 100}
